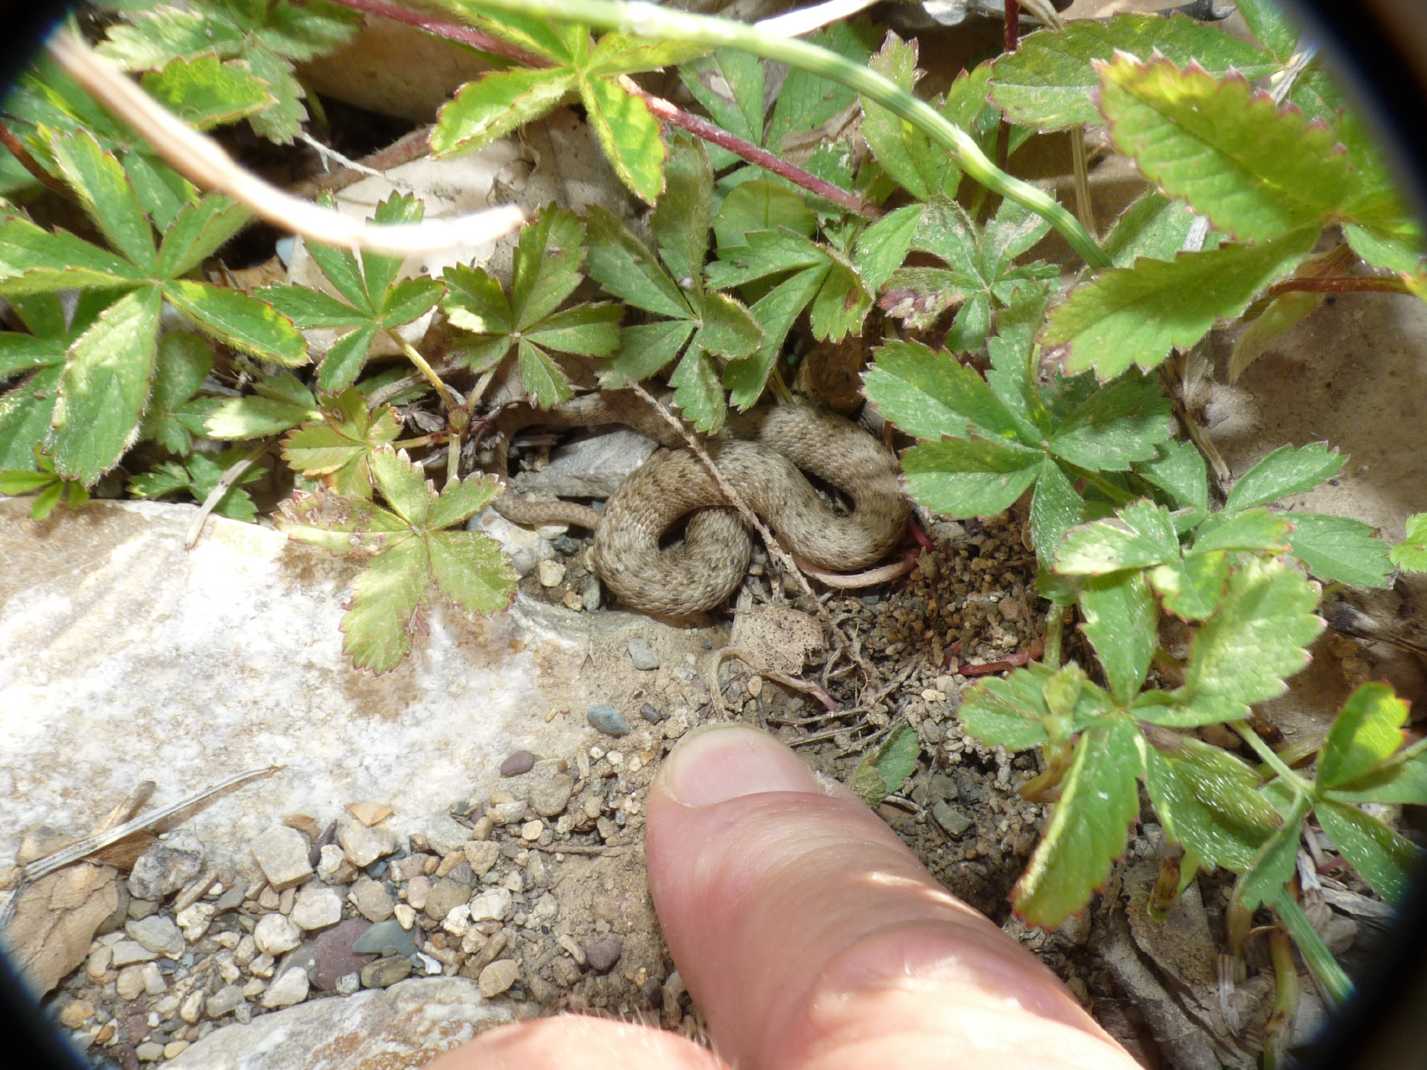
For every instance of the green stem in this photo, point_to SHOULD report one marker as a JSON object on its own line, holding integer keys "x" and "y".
{"x": 1271, "y": 759}
{"x": 1117, "y": 495}
{"x": 646, "y": 20}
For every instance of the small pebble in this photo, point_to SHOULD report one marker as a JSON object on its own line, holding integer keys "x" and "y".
{"x": 642, "y": 655}
{"x": 650, "y": 714}
{"x": 603, "y": 952}
{"x": 608, "y": 720}
{"x": 498, "y": 976}
{"x": 149, "y": 1052}
{"x": 383, "y": 973}
{"x": 550, "y": 573}
{"x": 521, "y": 761}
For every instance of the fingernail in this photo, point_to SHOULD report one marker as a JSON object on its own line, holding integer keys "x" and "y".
{"x": 720, "y": 762}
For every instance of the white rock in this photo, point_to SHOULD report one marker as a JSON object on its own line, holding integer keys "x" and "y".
{"x": 282, "y": 854}
{"x": 550, "y": 573}
{"x": 194, "y": 920}
{"x": 130, "y": 982}
{"x": 498, "y": 976}
{"x": 287, "y": 990}
{"x": 363, "y": 845}
{"x": 191, "y": 1009}
{"x": 128, "y": 952}
{"x": 276, "y": 935}
{"x": 493, "y": 905}
{"x": 157, "y": 933}
{"x": 332, "y": 865}
{"x": 154, "y": 983}
{"x": 316, "y": 908}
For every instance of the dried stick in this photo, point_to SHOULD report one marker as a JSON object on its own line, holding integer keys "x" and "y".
{"x": 203, "y": 161}
{"x": 805, "y": 20}
{"x": 231, "y": 475}
{"x": 716, "y": 661}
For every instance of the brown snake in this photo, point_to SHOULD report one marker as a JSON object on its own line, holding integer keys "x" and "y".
{"x": 759, "y": 455}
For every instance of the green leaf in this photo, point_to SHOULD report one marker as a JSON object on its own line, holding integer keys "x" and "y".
{"x": 1257, "y": 171}
{"x": 475, "y": 301}
{"x": 1366, "y": 733}
{"x": 345, "y": 360}
{"x": 403, "y": 485}
{"x": 99, "y": 182}
{"x": 205, "y": 92}
{"x": 1258, "y": 636}
{"x": 543, "y": 379}
{"x": 629, "y": 135}
{"x": 198, "y": 230}
{"x": 904, "y": 151}
{"x": 1267, "y": 23}
{"x": 760, "y": 205}
{"x": 646, "y": 349}
{"x": 587, "y": 330}
{"x": 547, "y": 265}
{"x": 698, "y": 392}
{"x": 339, "y": 446}
{"x": 1180, "y": 472}
{"x": 1056, "y": 507}
{"x": 1049, "y": 83}
{"x": 34, "y": 260}
{"x": 281, "y": 402}
{"x": 1137, "y": 536}
{"x": 1410, "y": 554}
{"x": 105, "y": 387}
{"x": 1208, "y": 802}
{"x": 884, "y": 244}
{"x": 1116, "y": 426}
{"x": 776, "y": 312}
{"x": 1124, "y": 317}
{"x": 385, "y": 598}
{"x": 240, "y": 321}
{"x": 1341, "y": 550}
{"x": 1152, "y": 226}
{"x": 470, "y": 570}
{"x": 806, "y": 100}
{"x": 966, "y": 478}
{"x": 460, "y": 500}
{"x": 932, "y": 395}
{"x": 1380, "y": 856}
{"x": 1282, "y": 314}
{"x": 282, "y": 120}
{"x": 26, "y": 407}
{"x": 308, "y": 308}
{"x": 727, "y": 329}
{"x": 1122, "y": 624}
{"x": 198, "y": 477}
{"x": 184, "y": 361}
{"x": 624, "y": 266}
{"x": 1008, "y": 712}
{"x": 497, "y": 103}
{"x": 1316, "y": 955}
{"x": 883, "y": 771}
{"x": 379, "y": 270}
{"x": 729, "y": 84}
{"x": 681, "y": 222}
{"x": 1287, "y": 470}
{"x": 1254, "y": 530}
{"x": 1402, "y": 780}
{"x": 1273, "y": 865}
{"x": 1191, "y": 588}
{"x": 1088, "y": 827}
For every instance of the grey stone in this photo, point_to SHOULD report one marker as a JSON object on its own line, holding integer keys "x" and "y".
{"x": 128, "y": 952}
{"x": 225, "y": 1001}
{"x": 445, "y": 894}
{"x": 952, "y": 819}
{"x": 289, "y": 989}
{"x": 154, "y": 983}
{"x": 159, "y": 934}
{"x": 602, "y": 952}
{"x": 591, "y": 467}
{"x": 517, "y": 762}
{"x": 385, "y": 938}
{"x": 383, "y": 973}
{"x": 481, "y": 855}
{"x": 608, "y": 720}
{"x": 166, "y": 866}
{"x": 130, "y": 982}
{"x": 372, "y": 899}
{"x": 276, "y": 935}
{"x": 445, "y": 834}
{"x": 591, "y": 594}
{"x": 149, "y": 1052}
{"x": 282, "y": 854}
{"x": 363, "y": 845}
{"x": 641, "y": 654}
{"x": 317, "y": 907}
{"x": 498, "y": 977}
{"x": 551, "y": 793}
{"x": 408, "y": 1024}
{"x": 651, "y": 714}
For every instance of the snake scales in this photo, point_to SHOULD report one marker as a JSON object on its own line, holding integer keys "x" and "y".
{"x": 760, "y": 455}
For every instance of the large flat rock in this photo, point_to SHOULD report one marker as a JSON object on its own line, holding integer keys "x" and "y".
{"x": 129, "y": 658}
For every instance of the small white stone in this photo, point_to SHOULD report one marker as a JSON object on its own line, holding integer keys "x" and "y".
{"x": 281, "y": 853}
{"x": 332, "y": 865}
{"x": 405, "y": 916}
{"x": 154, "y": 983}
{"x": 287, "y": 990}
{"x": 191, "y": 1009}
{"x": 97, "y": 965}
{"x": 130, "y": 983}
{"x": 498, "y": 976}
{"x": 457, "y": 920}
{"x": 195, "y": 919}
{"x": 276, "y": 935}
{"x": 262, "y": 966}
{"x": 550, "y": 573}
{"x": 317, "y": 908}
{"x": 493, "y": 905}
{"x": 531, "y": 830}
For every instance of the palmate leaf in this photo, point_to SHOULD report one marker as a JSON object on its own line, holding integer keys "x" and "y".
{"x": 1380, "y": 856}
{"x": 48, "y": 488}
{"x": 969, "y": 477}
{"x": 1209, "y": 802}
{"x": 412, "y": 556}
{"x": 1088, "y": 827}
{"x": 1364, "y": 735}
{"x": 32, "y": 364}
{"x": 198, "y": 476}
{"x": 1257, "y": 171}
{"x": 1124, "y": 318}
{"x": 173, "y": 417}
{"x": 1139, "y": 536}
{"x": 205, "y": 91}
{"x": 1410, "y": 554}
{"x": 277, "y": 403}
{"x": 1286, "y": 470}
{"x": 338, "y": 448}
{"x": 1122, "y": 624}
{"x": 1340, "y": 549}
{"x": 1049, "y": 83}
{"x": 904, "y": 152}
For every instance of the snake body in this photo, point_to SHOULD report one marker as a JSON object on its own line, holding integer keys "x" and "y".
{"x": 762, "y": 456}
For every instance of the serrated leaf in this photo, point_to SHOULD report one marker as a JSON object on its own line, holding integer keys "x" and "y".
{"x": 105, "y": 386}
{"x": 385, "y": 596}
{"x": 1048, "y": 82}
{"x": 235, "y": 419}
{"x": 240, "y": 321}
{"x": 1122, "y": 624}
{"x": 379, "y": 270}
{"x": 1208, "y": 801}
{"x": 1124, "y": 318}
{"x": 807, "y": 100}
{"x": 1056, "y": 507}
{"x": 475, "y": 301}
{"x": 1179, "y": 470}
{"x": 1286, "y": 470}
{"x": 965, "y": 478}
{"x": 885, "y": 770}
{"x": 546, "y": 271}
{"x": 460, "y": 500}
{"x": 698, "y": 392}
{"x": 1380, "y": 856}
{"x": 924, "y": 170}
{"x": 197, "y": 231}
{"x": 1397, "y": 782}
{"x": 470, "y": 570}
{"x": 26, "y": 407}
{"x": 1273, "y": 865}
{"x": 629, "y": 134}
{"x": 542, "y": 378}
{"x": 726, "y": 328}
{"x": 205, "y": 92}
{"x": 1191, "y": 588}
{"x": 183, "y": 362}
{"x": 624, "y": 266}
{"x": 1152, "y": 226}
{"x": 34, "y": 261}
{"x": 338, "y": 446}
{"x": 1257, "y": 638}
{"x": 403, "y": 485}
{"x": 1281, "y": 315}
{"x": 1088, "y": 827}
{"x": 882, "y": 246}
{"x": 645, "y": 349}
{"x": 776, "y": 312}
{"x": 1341, "y": 550}
{"x": 343, "y": 362}
{"x": 681, "y": 222}
{"x": 932, "y": 395}
{"x": 1410, "y": 554}
{"x": 1366, "y": 733}
{"x": 729, "y": 84}
{"x": 1138, "y": 536}
{"x": 1008, "y": 712}
{"x": 99, "y": 183}
{"x": 410, "y": 299}
{"x": 1116, "y": 426}
{"x": 760, "y": 205}
{"x": 587, "y": 330}
{"x": 1257, "y": 171}
{"x": 1267, "y": 23}
{"x": 497, "y": 103}
{"x": 1254, "y": 530}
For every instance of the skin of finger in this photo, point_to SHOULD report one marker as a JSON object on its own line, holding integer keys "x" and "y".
{"x": 806, "y": 933}
{"x": 577, "y": 1042}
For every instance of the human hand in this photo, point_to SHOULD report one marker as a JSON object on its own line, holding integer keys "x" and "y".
{"x": 812, "y": 939}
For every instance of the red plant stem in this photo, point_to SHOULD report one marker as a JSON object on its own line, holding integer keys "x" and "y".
{"x": 1340, "y": 284}
{"x": 1012, "y": 27}
{"x": 29, "y": 163}
{"x": 664, "y": 110}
